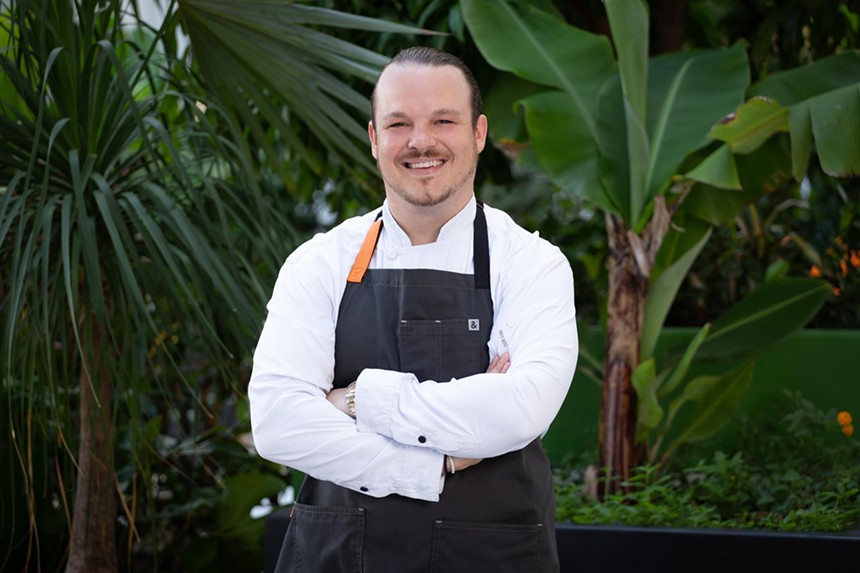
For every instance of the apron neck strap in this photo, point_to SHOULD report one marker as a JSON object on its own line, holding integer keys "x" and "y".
{"x": 481, "y": 246}
{"x": 480, "y": 242}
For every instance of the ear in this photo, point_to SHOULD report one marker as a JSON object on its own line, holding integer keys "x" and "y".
{"x": 371, "y": 134}
{"x": 481, "y": 132}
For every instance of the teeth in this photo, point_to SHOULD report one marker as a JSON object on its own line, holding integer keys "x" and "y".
{"x": 425, "y": 164}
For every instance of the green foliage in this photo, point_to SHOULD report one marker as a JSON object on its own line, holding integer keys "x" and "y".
{"x": 730, "y": 346}
{"x": 203, "y": 488}
{"x": 810, "y": 229}
{"x": 288, "y": 76}
{"x": 797, "y": 473}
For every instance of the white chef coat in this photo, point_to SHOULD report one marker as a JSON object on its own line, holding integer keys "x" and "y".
{"x": 479, "y": 416}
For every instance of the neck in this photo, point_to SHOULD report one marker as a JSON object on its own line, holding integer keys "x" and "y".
{"x": 422, "y": 224}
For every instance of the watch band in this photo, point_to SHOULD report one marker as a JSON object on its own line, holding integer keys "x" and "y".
{"x": 349, "y": 397}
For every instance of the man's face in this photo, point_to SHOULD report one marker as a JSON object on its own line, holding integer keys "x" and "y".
{"x": 424, "y": 142}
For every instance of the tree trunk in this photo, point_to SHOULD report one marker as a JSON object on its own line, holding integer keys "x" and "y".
{"x": 631, "y": 258}
{"x": 93, "y": 537}
{"x": 627, "y": 290}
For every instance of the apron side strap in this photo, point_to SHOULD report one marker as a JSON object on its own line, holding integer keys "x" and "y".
{"x": 482, "y": 250}
{"x": 362, "y": 261}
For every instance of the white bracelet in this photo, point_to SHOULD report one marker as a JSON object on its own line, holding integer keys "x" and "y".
{"x": 451, "y": 468}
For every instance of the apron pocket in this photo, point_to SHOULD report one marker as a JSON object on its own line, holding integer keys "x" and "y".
{"x": 443, "y": 349}
{"x": 325, "y": 539}
{"x": 474, "y": 547}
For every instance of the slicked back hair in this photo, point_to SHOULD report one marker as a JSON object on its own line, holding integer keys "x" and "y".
{"x": 424, "y": 56}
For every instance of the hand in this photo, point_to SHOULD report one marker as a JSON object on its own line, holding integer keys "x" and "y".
{"x": 462, "y": 463}
{"x": 499, "y": 364}
{"x": 336, "y": 397}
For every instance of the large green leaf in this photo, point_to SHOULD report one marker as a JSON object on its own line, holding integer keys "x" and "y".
{"x": 717, "y": 399}
{"x": 676, "y": 375}
{"x": 754, "y": 122}
{"x": 241, "y": 494}
{"x": 540, "y": 47}
{"x": 718, "y": 169}
{"x": 621, "y": 162}
{"x": 687, "y": 93}
{"x": 768, "y": 315}
{"x": 823, "y": 101}
{"x": 628, "y": 19}
{"x": 566, "y": 147}
{"x": 758, "y": 173}
{"x": 662, "y": 293}
{"x": 650, "y": 412}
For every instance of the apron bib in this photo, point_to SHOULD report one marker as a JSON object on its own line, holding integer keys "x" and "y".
{"x": 497, "y": 516}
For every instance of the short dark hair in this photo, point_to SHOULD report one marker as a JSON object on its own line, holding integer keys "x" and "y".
{"x": 424, "y": 56}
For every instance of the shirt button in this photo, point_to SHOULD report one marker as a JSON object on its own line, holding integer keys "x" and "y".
{"x": 421, "y": 439}
{"x": 362, "y": 488}
{"x": 391, "y": 255}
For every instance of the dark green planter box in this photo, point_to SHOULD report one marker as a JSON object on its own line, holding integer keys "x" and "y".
{"x": 610, "y": 549}
{"x": 821, "y": 364}
{"x": 605, "y": 548}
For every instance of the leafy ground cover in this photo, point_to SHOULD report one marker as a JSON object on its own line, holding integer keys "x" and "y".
{"x": 797, "y": 472}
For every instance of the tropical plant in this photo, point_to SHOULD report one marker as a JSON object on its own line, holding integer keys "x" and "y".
{"x": 791, "y": 472}
{"x": 139, "y": 233}
{"x": 634, "y": 136}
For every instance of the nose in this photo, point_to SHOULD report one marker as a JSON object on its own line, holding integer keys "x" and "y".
{"x": 421, "y": 138}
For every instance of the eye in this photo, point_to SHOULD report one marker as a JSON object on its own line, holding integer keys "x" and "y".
{"x": 396, "y": 124}
{"x": 444, "y": 121}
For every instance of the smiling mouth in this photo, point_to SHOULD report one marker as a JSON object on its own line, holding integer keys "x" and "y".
{"x": 424, "y": 164}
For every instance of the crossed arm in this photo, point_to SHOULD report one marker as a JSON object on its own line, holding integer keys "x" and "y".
{"x": 498, "y": 365}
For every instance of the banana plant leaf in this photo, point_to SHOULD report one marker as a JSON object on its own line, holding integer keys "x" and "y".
{"x": 768, "y": 315}
{"x": 591, "y": 131}
{"x": 650, "y": 412}
{"x": 823, "y": 102}
{"x": 664, "y": 287}
{"x": 755, "y": 121}
{"x": 758, "y": 173}
{"x": 573, "y": 62}
{"x": 716, "y": 400}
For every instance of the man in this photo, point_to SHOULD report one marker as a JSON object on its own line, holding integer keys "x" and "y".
{"x": 373, "y": 373}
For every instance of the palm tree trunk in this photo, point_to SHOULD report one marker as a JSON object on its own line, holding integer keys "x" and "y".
{"x": 627, "y": 289}
{"x": 631, "y": 258}
{"x": 93, "y": 537}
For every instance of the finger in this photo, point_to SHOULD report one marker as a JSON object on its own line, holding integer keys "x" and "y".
{"x": 504, "y": 363}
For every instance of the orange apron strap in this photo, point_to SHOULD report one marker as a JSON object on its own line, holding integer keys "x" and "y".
{"x": 362, "y": 261}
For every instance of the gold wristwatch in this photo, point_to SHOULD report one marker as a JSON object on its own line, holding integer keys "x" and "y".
{"x": 349, "y": 396}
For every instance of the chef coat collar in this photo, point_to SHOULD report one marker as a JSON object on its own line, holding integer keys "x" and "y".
{"x": 396, "y": 237}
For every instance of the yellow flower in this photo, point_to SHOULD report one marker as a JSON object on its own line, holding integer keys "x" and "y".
{"x": 844, "y": 418}
{"x": 848, "y": 430}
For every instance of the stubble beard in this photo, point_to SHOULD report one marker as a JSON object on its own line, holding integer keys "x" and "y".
{"x": 420, "y": 196}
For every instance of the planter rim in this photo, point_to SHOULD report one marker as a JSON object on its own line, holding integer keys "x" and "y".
{"x": 707, "y": 531}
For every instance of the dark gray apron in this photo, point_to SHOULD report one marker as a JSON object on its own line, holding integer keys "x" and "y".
{"x": 497, "y": 516}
